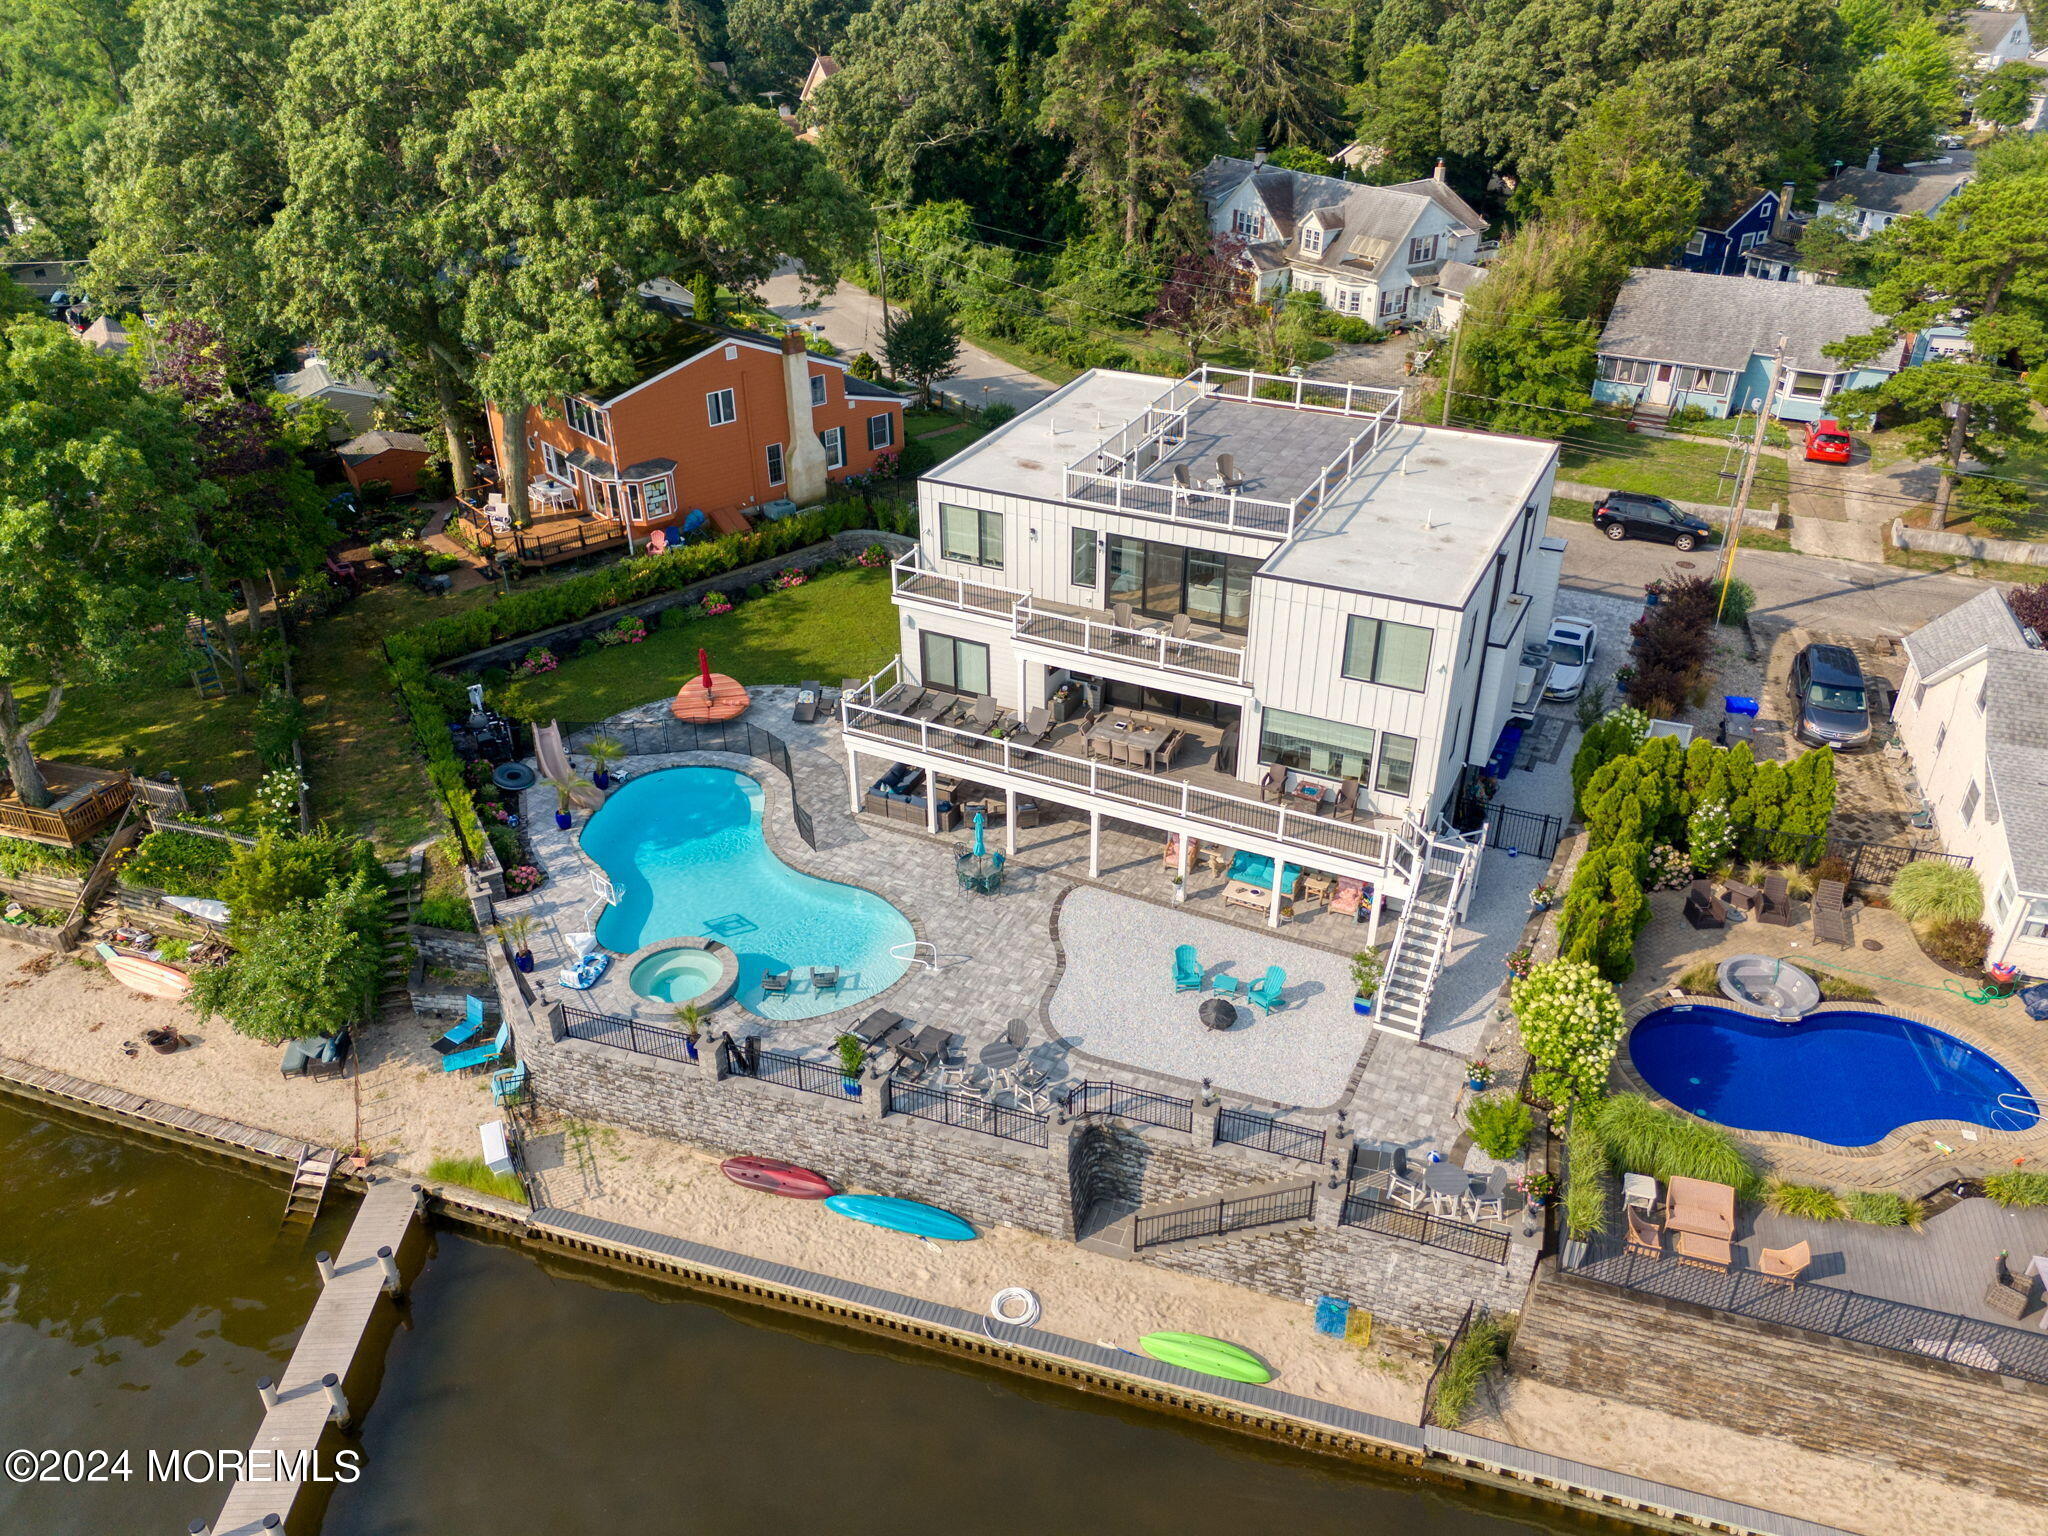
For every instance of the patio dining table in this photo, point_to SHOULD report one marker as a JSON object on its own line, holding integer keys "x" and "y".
{"x": 1448, "y": 1184}
{"x": 1147, "y": 739}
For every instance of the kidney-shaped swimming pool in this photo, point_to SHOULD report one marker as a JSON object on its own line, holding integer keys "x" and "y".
{"x": 1848, "y": 1078}
{"x": 684, "y": 847}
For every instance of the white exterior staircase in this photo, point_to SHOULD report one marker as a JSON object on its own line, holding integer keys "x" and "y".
{"x": 1424, "y": 936}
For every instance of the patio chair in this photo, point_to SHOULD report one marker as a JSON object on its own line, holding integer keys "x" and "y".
{"x": 1405, "y": 1193}
{"x": 1777, "y": 902}
{"x": 1274, "y": 784}
{"x": 1097, "y": 747}
{"x": 508, "y": 1085}
{"x": 878, "y": 1027}
{"x": 317, "y": 1055}
{"x": 805, "y": 710}
{"x": 462, "y": 1034}
{"x": 1181, "y": 627}
{"x": 1120, "y": 752}
{"x": 1187, "y": 969}
{"x": 775, "y": 984}
{"x": 982, "y": 716}
{"x": 1784, "y": 1266}
{"x": 1266, "y": 990}
{"x": 1703, "y": 908}
{"x": 1346, "y": 803}
{"x": 1121, "y": 613}
{"x": 824, "y": 978}
{"x": 480, "y": 1055}
{"x": 1644, "y": 1235}
{"x": 1182, "y": 480}
{"x": 1036, "y": 727}
{"x": 1831, "y": 914}
{"x": 1489, "y": 1201}
{"x": 1702, "y": 1252}
{"x": 1227, "y": 477}
{"x": 2009, "y": 1295}
{"x": 657, "y": 541}
{"x": 1163, "y": 758}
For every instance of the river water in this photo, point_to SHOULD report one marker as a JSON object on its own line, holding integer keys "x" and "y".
{"x": 144, "y": 1291}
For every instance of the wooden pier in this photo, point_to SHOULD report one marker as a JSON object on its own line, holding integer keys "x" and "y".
{"x": 309, "y": 1394}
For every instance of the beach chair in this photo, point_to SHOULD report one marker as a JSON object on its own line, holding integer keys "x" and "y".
{"x": 1227, "y": 477}
{"x": 983, "y": 714}
{"x": 508, "y": 1086}
{"x": 824, "y": 978}
{"x": 775, "y": 984}
{"x": 1037, "y": 725}
{"x": 1831, "y": 914}
{"x": 1187, "y": 970}
{"x": 1348, "y": 898}
{"x": 480, "y": 1055}
{"x": 462, "y": 1034}
{"x": 1266, "y": 990}
{"x": 657, "y": 541}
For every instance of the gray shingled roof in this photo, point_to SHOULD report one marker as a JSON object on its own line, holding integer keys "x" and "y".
{"x": 1459, "y": 277}
{"x": 1987, "y": 29}
{"x": 861, "y": 388}
{"x": 1374, "y": 220}
{"x": 1917, "y": 189}
{"x": 1722, "y": 322}
{"x": 370, "y": 444}
{"x": 2016, "y": 753}
{"x": 1984, "y": 621}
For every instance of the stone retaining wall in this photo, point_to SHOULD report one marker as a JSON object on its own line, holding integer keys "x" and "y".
{"x": 1941, "y": 541}
{"x": 841, "y": 546}
{"x": 450, "y": 947}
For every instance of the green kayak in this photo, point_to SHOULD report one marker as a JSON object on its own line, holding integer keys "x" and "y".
{"x": 1211, "y": 1357}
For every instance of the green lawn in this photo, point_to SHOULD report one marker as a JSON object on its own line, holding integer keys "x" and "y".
{"x": 1573, "y": 511}
{"x": 1601, "y": 453}
{"x": 832, "y": 627}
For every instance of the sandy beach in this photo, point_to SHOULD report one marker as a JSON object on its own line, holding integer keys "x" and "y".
{"x": 74, "y": 1018}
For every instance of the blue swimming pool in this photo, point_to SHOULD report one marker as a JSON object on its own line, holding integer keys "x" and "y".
{"x": 1848, "y": 1078}
{"x": 684, "y": 847}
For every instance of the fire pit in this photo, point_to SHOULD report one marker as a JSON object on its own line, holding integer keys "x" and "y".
{"x": 1218, "y": 1013}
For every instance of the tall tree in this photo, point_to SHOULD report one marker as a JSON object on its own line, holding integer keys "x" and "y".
{"x": 1286, "y": 55}
{"x": 1935, "y": 61}
{"x": 1981, "y": 260}
{"x": 1621, "y": 172}
{"x": 1204, "y": 296}
{"x": 191, "y": 171}
{"x": 99, "y": 502}
{"x": 922, "y": 344}
{"x": 1526, "y": 359}
{"x": 62, "y": 68}
{"x": 1400, "y": 112}
{"x": 1130, "y": 88}
{"x": 2006, "y": 97}
{"x": 774, "y": 41}
{"x": 1885, "y": 110}
{"x": 666, "y": 181}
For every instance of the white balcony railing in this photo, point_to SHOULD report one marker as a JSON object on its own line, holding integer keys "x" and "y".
{"x": 1119, "y": 642}
{"x": 909, "y": 576}
{"x": 1390, "y": 848}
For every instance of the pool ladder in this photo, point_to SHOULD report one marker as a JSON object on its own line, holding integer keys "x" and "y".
{"x": 2014, "y": 1105}
{"x": 909, "y": 953}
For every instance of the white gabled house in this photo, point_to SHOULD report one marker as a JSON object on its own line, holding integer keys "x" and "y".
{"x": 1375, "y": 252}
{"x": 1327, "y": 608}
{"x": 1972, "y": 714}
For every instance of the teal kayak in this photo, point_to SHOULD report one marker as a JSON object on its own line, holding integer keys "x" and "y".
{"x": 911, "y": 1216}
{"x": 1210, "y": 1357}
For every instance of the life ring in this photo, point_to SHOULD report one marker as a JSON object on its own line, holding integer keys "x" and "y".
{"x": 1014, "y": 1296}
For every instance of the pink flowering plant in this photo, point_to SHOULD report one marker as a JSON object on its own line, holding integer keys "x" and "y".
{"x": 872, "y": 556}
{"x": 791, "y": 578}
{"x": 628, "y": 631}
{"x": 715, "y": 603}
{"x": 523, "y": 879}
{"x": 538, "y": 660}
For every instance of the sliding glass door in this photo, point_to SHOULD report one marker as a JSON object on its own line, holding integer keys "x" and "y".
{"x": 1162, "y": 580}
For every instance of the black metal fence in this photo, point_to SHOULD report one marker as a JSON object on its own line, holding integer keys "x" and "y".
{"x": 1220, "y": 1217}
{"x": 1822, "y": 1309}
{"x": 1128, "y": 1103}
{"x": 1361, "y": 1209}
{"x": 735, "y": 736}
{"x": 627, "y": 1034}
{"x": 1535, "y": 833}
{"x": 967, "y": 1111}
{"x": 1880, "y": 863}
{"x": 798, "y": 1072}
{"x": 1249, "y": 1128}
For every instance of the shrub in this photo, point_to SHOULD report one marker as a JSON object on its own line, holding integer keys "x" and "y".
{"x": 1997, "y": 524}
{"x": 19, "y": 856}
{"x": 2019, "y": 1188}
{"x": 440, "y": 562}
{"x": 445, "y": 909}
{"x": 1571, "y": 1023}
{"x": 1736, "y": 606}
{"x": 277, "y": 722}
{"x": 263, "y": 880}
{"x": 474, "y": 1173}
{"x": 1484, "y": 1345}
{"x": 628, "y": 631}
{"x": 1957, "y": 943}
{"x": 277, "y": 798}
{"x": 1810, "y": 1202}
{"x": 1930, "y": 890}
{"x": 1880, "y": 1208}
{"x": 1550, "y": 1087}
{"x": 1500, "y": 1124}
{"x": 1687, "y": 416}
{"x": 180, "y": 863}
{"x": 994, "y": 415}
{"x": 1586, "y": 1175}
{"x": 1644, "y": 1138}
{"x": 307, "y": 970}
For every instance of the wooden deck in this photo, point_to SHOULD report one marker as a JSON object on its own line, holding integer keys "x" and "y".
{"x": 341, "y": 1316}
{"x": 83, "y": 800}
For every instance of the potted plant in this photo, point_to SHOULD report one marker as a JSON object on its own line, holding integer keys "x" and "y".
{"x": 603, "y": 751}
{"x": 853, "y": 1055}
{"x": 1478, "y": 1074}
{"x": 1366, "y": 968}
{"x": 1521, "y": 962}
{"x": 517, "y": 931}
{"x": 1541, "y": 898}
{"x": 690, "y": 1019}
{"x": 1537, "y": 1188}
{"x": 565, "y": 797}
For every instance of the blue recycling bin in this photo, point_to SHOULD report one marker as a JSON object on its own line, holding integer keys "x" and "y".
{"x": 1738, "y": 705}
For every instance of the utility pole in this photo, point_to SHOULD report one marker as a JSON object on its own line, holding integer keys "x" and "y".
{"x": 1451, "y": 378}
{"x": 1742, "y": 486}
{"x": 882, "y": 272}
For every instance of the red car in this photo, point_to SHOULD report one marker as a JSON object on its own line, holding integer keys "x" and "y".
{"x": 1826, "y": 442}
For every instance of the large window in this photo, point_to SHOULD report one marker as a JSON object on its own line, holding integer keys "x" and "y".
{"x": 1161, "y": 580}
{"x": 958, "y": 666}
{"x": 1316, "y": 746}
{"x": 1392, "y": 655}
{"x": 1397, "y": 763}
{"x": 1311, "y": 240}
{"x": 655, "y": 494}
{"x": 556, "y": 463}
{"x": 2034, "y": 921}
{"x": 722, "y": 407}
{"x": 834, "y": 439}
{"x": 817, "y": 390}
{"x": 775, "y": 472}
{"x": 1081, "y": 563}
{"x": 585, "y": 418}
{"x": 881, "y": 430}
{"x": 971, "y": 535}
{"x": 1809, "y": 386}
{"x": 1420, "y": 251}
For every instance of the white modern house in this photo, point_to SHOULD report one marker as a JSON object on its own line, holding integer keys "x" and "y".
{"x": 1973, "y": 717}
{"x": 1317, "y": 611}
{"x": 1375, "y": 252}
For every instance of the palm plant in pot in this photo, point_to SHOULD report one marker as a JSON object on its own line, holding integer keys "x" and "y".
{"x": 690, "y": 1020}
{"x": 1366, "y": 969}
{"x": 603, "y": 751}
{"x": 517, "y": 931}
{"x": 565, "y": 798}
{"x": 853, "y": 1055}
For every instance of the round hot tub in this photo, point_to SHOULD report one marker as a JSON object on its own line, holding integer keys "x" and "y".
{"x": 700, "y": 971}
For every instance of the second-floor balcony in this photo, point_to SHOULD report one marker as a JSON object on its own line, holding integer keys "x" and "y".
{"x": 1177, "y": 644}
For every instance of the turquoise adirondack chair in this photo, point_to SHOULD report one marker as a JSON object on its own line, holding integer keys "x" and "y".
{"x": 1187, "y": 970}
{"x": 1266, "y": 990}
{"x": 480, "y": 1055}
{"x": 508, "y": 1086}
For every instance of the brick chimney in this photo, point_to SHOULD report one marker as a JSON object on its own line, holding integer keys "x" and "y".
{"x": 1781, "y": 226}
{"x": 1259, "y": 155}
{"x": 1437, "y": 175}
{"x": 806, "y": 455}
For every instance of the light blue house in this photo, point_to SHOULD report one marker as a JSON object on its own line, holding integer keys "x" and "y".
{"x": 1688, "y": 338}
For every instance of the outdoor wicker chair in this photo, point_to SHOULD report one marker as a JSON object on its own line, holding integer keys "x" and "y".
{"x": 2009, "y": 1295}
{"x": 1777, "y": 902}
{"x": 1644, "y": 1235}
{"x": 1784, "y": 1266}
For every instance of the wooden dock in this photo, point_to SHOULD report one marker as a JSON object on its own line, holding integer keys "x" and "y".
{"x": 292, "y": 1427}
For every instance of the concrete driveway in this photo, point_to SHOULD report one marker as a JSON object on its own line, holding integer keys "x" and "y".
{"x": 851, "y": 319}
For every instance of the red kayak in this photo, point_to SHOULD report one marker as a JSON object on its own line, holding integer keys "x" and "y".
{"x": 773, "y": 1178}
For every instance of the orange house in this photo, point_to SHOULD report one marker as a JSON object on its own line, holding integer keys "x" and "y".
{"x": 718, "y": 421}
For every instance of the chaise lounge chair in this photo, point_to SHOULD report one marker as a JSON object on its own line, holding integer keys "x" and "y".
{"x": 1187, "y": 969}
{"x": 1831, "y": 914}
{"x": 1777, "y": 902}
{"x": 824, "y": 978}
{"x": 1266, "y": 990}
{"x": 805, "y": 709}
{"x": 1348, "y": 897}
{"x": 480, "y": 1055}
{"x": 462, "y": 1034}
{"x": 775, "y": 983}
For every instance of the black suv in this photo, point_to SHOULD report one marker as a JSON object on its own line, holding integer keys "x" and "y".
{"x": 1622, "y": 514}
{"x": 1831, "y": 705}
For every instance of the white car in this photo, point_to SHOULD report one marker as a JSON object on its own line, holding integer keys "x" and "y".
{"x": 1573, "y": 643}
